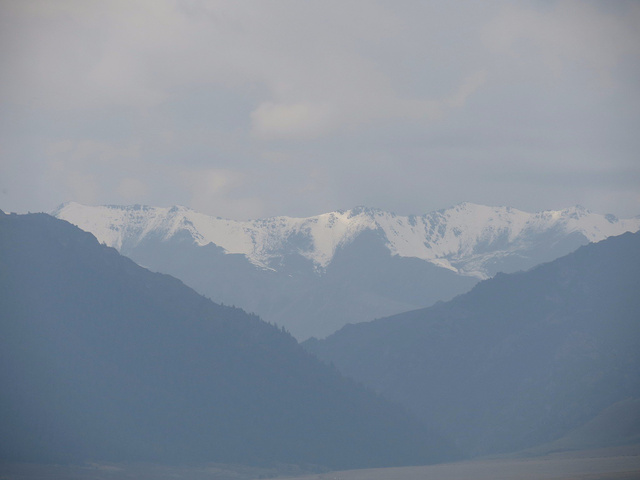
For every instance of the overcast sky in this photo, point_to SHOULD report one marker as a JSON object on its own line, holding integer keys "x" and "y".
{"x": 251, "y": 109}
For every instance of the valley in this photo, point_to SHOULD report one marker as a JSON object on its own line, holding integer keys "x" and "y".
{"x": 314, "y": 275}
{"x": 111, "y": 365}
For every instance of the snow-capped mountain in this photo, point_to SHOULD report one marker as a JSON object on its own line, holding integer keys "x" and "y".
{"x": 466, "y": 238}
{"x": 313, "y": 275}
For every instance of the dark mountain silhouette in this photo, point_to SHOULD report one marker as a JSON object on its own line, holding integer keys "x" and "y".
{"x": 101, "y": 359}
{"x": 522, "y": 359}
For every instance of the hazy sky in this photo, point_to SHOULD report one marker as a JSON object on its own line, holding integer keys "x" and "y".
{"x": 257, "y": 108}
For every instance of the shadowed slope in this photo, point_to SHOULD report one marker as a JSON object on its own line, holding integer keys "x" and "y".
{"x": 522, "y": 359}
{"x": 101, "y": 359}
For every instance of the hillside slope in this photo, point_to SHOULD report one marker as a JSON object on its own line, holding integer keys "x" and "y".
{"x": 520, "y": 360}
{"x": 101, "y": 359}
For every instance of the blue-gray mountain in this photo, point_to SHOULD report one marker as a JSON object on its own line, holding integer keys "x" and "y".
{"x": 521, "y": 360}
{"x": 102, "y": 360}
{"x": 314, "y": 275}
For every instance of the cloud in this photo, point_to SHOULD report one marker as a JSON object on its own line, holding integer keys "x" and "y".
{"x": 87, "y": 169}
{"x": 89, "y": 152}
{"x": 69, "y": 55}
{"x": 317, "y": 63}
{"x": 567, "y": 34}
{"x": 469, "y": 86}
{"x": 230, "y": 107}
{"x": 300, "y": 120}
{"x": 215, "y": 190}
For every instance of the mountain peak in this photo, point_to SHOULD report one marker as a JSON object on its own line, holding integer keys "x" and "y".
{"x": 458, "y": 238}
{"x": 363, "y": 210}
{"x": 352, "y": 265}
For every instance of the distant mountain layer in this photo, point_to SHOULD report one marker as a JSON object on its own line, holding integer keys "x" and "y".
{"x": 466, "y": 239}
{"x": 313, "y": 275}
{"x": 102, "y": 360}
{"x": 521, "y": 360}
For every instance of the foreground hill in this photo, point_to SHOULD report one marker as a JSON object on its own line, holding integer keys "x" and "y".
{"x": 314, "y": 275}
{"x": 101, "y": 359}
{"x": 522, "y": 359}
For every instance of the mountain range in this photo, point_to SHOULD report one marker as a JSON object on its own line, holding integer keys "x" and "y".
{"x": 547, "y": 356}
{"x": 313, "y": 275}
{"x": 103, "y": 360}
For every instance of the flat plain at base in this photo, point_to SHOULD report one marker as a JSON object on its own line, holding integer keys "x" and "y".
{"x": 144, "y": 471}
{"x": 615, "y": 463}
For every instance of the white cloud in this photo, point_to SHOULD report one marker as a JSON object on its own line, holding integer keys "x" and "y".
{"x": 318, "y": 62}
{"x": 220, "y": 192}
{"x": 230, "y": 106}
{"x": 468, "y": 87}
{"x": 300, "y": 120}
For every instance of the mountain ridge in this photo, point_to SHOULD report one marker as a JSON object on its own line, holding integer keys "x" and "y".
{"x": 522, "y": 359}
{"x": 103, "y": 360}
{"x": 313, "y": 275}
{"x": 463, "y": 238}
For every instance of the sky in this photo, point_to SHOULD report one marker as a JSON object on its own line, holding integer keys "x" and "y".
{"x": 254, "y": 109}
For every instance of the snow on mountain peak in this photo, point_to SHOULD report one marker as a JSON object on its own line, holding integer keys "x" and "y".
{"x": 462, "y": 238}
